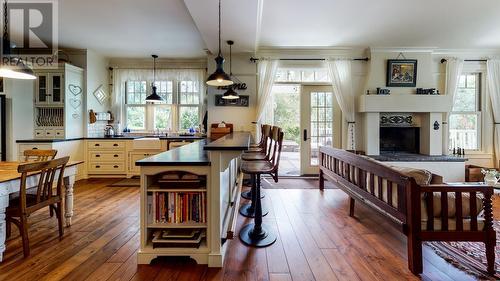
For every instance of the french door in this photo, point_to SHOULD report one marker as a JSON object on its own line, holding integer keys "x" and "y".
{"x": 320, "y": 126}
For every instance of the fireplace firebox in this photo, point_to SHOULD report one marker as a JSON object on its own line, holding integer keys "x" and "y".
{"x": 400, "y": 139}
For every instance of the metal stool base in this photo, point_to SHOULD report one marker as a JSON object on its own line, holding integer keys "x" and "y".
{"x": 266, "y": 237}
{"x": 246, "y": 211}
{"x": 248, "y": 194}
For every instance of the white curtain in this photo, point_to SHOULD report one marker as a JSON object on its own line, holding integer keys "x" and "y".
{"x": 493, "y": 69}
{"x": 120, "y": 76}
{"x": 454, "y": 67}
{"x": 266, "y": 70}
{"x": 341, "y": 78}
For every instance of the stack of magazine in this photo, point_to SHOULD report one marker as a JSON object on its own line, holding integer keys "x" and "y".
{"x": 184, "y": 237}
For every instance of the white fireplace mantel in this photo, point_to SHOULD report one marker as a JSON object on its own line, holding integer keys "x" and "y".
{"x": 403, "y": 103}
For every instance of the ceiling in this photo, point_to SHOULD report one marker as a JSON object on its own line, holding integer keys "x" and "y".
{"x": 130, "y": 28}
{"x": 185, "y": 28}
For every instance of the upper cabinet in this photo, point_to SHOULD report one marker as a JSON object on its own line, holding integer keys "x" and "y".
{"x": 59, "y": 103}
{"x": 49, "y": 88}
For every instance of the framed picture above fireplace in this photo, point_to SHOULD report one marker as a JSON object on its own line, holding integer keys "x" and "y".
{"x": 401, "y": 73}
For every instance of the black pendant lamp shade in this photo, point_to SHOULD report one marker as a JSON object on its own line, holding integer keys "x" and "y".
{"x": 219, "y": 77}
{"x": 15, "y": 68}
{"x": 230, "y": 94}
{"x": 154, "y": 97}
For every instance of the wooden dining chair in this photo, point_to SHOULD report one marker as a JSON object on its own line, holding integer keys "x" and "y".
{"x": 22, "y": 207}
{"x": 38, "y": 155}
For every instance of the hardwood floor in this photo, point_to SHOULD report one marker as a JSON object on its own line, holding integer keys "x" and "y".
{"x": 317, "y": 241}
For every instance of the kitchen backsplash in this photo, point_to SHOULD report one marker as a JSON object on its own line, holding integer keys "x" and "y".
{"x": 96, "y": 129}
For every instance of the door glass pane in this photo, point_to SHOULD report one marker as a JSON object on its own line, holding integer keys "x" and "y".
{"x": 321, "y": 123}
{"x": 286, "y": 114}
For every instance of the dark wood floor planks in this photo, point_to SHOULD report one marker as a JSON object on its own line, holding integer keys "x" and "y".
{"x": 316, "y": 241}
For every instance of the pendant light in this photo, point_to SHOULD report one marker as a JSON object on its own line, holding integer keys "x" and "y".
{"x": 16, "y": 68}
{"x": 154, "y": 97}
{"x": 219, "y": 77}
{"x": 230, "y": 94}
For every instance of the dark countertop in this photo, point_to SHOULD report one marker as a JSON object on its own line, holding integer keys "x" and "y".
{"x": 191, "y": 154}
{"x": 233, "y": 141}
{"x": 197, "y": 153}
{"x": 410, "y": 157}
{"x": 173, "y": 137}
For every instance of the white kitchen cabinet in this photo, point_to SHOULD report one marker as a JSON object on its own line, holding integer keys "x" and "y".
{"x": 58, "y": 102}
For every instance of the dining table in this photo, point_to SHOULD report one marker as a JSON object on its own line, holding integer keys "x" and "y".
{"x": 10, "y": 183}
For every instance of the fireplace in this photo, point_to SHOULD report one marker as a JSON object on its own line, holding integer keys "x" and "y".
{"x": 400, "y": 139}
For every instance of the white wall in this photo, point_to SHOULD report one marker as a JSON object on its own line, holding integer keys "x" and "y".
{"x": 97, "y": 74}
{"x": 431, "y": 74}
{"x": 19, "y": 95}
{"x": 240, "y": 117}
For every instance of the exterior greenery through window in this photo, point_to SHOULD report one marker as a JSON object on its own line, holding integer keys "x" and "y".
{"x": 465, "y": 119}
{"x": 180, "y": 109}
{"x": 284, "y": 110}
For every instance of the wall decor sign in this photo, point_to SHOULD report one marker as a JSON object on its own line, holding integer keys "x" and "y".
{"x": 243, "y": 101}
{"x": 75, "y": 103}
{"x": 235, "y": 86}
{"x": 396, "y": 120}
{"x": 75, "y": 89}
{"x": 100, "y": 94}
{"x": 401, "y": 73}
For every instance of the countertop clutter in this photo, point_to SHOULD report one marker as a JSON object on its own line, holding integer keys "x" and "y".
{"x": 122, "y": 137}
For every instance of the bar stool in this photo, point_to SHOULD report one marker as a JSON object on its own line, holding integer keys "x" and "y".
{"x": 261, "y": 145}
{"x": 263, "y": 154}
{"x": 248, "y": 210}
{"x": 256, "y": 234}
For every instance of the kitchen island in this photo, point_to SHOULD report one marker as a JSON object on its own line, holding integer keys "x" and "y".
{"x": 189, "y": 197}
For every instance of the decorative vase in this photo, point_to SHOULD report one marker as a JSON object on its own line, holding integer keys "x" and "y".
{"x": 490, "y": 177}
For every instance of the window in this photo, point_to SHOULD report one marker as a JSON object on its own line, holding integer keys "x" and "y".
{"x": 180, "y": 109}
{"x": 301, "y": 75}
{"x": 465, "y": 118}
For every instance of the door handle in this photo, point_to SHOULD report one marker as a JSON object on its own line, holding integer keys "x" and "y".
{"x": 305, "y": 134}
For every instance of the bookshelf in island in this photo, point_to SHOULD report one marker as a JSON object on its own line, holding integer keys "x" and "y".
{"x": 188, "y": 200}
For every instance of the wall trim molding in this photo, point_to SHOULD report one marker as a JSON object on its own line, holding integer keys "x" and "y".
{"x": 146, "y": 63}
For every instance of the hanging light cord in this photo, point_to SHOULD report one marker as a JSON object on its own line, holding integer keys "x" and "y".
{"x": 5, "y": 22}
{"x": 154, "y": 71}
{"x": 230, "y": 61}
{"x": 219, "y": 29}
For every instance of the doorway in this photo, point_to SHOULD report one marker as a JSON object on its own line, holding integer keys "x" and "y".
{"x": 309, "y": 116}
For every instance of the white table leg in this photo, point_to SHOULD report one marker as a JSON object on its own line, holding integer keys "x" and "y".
{"x": 68, "y": 202}
{"x": 4, "y": 202}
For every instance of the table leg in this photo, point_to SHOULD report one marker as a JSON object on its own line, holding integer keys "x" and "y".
{"x": 4, "y": 202}
{"x": 68, "y": 202}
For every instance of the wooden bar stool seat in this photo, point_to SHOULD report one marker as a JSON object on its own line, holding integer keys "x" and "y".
{"x": 253, "y": 156}
{"x": 256, "y": 234}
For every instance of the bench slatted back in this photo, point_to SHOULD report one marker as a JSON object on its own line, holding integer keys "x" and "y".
{"x": 353, "y": 173}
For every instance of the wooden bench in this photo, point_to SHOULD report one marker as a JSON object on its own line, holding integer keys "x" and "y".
{"x": 420, "y": 205}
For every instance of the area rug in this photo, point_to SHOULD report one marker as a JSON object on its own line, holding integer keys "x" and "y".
{"x": 295, "y": 183}
{"x": 470, "y": 256}
{"x": 136, "y": 182}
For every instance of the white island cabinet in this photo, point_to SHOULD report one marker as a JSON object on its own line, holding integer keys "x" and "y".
{"x": 189, "y": 197}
